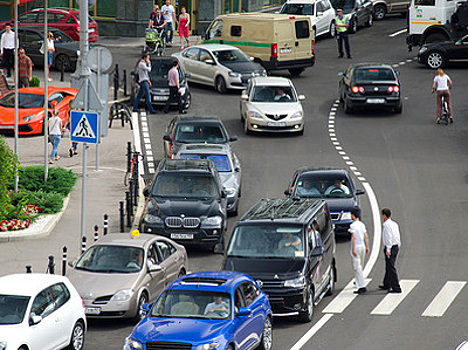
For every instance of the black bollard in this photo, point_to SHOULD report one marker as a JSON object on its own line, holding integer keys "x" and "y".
{"x": 64, "y": 261}
{"x": 106, "y": 224}
{"x": 51, "y": 265}
{"x": 125, "y": 82}
{"x": 28, "y": 269}
{"x": 83, "y": 244}
{"x": 129, "y": 157}
{"x": 129, "y": 208}
{"x": 96, "y": 233}
{"x": 122, "y": 216}
{"x": 116, "y": 82}
{"x": 62, "y": 72}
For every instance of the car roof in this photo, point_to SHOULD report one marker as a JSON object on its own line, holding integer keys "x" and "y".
{"x": 205, "y": 148}
{"x": 323, "y": 171}
{"x": 199, "y": 165}
{"x": 276, "y": 81}
{"x": 301, "y": 1}
{"x": 57, "y": 9}
{"x": 28, "y": 284}
{"x": 198, "y": 118}
{"x": 125, "y": 239}
{"x": 371, "y": 65}
{"x": 215, "y": 47}
{"x": 213, "y": 281}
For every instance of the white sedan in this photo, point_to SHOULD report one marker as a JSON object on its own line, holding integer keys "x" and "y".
{"x": 271, "y": 104}
{"x": 40, "y": 312}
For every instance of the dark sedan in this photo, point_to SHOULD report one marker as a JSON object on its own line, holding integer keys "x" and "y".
{"x": 438, "y": 55}
{"x": 370, "y": 85}
{"x": 359, "y": 12}
{"x": 66, "y": 50}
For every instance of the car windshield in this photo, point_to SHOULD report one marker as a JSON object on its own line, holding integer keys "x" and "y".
{"x": 191, "y": 304}
{"x": 12, "y": 308}
{"x": 268, "y": 241}
{"x": 230, "y": 56}
{"x": 184, "y": 185}
{"x": 279, "y": 94}
{"x": 199, "y": 133}
{"x": 298, "y": 9}
{"x": 25, "y": 101}
{"x": 373, "y": 74}
{"x": 221, "y": 161}
{"x": 111, "y": 259}
{"x": 315, "y": 187}
{"x": 160, "y": 69}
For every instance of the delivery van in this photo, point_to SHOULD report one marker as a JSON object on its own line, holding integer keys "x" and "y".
{"x": 276, "y": 41}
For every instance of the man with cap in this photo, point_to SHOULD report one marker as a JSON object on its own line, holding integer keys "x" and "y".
{"x": 342, "y": 25}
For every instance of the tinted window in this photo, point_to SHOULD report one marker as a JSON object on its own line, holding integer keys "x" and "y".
{"x": 164, "y": 249}
{"x": 278, "y": 94}
{"x": 424, "y": 2}
{"x": 302, "y": 29}
{"x": 192, "y": 53}
{"x": 28, "y": 18}
{"x": 199, "y": 133}
{"x": 324, "y": 225}
{"x": 346, "y": 5}
{"x": 160, "y": 69}
{"x": 226, "y": 56}
{"x": 43, "y": 304}
{"x": 236, "y": 30}
{"x": 373, "y": 74}
{"x": 250, "y": 292}
{"x": 25, "y": 100}
{"x": 59, "y": 17}
{"x": 298, "y": 9}
{"x": 326, "y": 5}
{"x": 71, "y": 20}
{"x": 205, "y": 56}
{"x": 186, "y": 185}
{"x": 221, "y": 161}
{"x": 58, "y": 97}
{"x": 60, "y": 37}
{"x": 12, "y": 308}
{"x": 30, "y": 37}
{"x": 320, "y": 7}
{"x": 111, "y": 259}
{"x": 309, "y": 186}
{"x": 61, "y": 294}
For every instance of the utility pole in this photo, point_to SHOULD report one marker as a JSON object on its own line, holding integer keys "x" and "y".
{"x": 16, "y": 95}
{"x": 46, "y": 93}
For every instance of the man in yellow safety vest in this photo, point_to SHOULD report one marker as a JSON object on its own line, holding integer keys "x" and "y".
{"x": 341, "y": 25}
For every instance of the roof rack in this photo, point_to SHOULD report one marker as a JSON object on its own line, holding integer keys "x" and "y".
{"x": 204, "y": 280}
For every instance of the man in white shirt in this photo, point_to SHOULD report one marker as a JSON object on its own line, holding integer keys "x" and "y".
{"x": 391, "y": 241}
{"x": 7, "y": 49}
{"x": 168, "y": 12}
{"x": 359, "y": 249}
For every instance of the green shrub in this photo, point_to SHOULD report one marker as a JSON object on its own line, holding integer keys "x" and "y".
{"x": 35, "y": 82}
{"x": 49, "y": 202}
{"x": 8, "y": 164}
{"x": 60, "y": 180}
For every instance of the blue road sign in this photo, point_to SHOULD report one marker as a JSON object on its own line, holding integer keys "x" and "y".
{"x": 84, "y": 127}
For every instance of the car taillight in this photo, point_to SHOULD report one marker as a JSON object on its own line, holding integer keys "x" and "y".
{"x": 357, "y": 89}
{"x": 292, "y": 17}
{"x": 312, "y": 43}
{"x": 274, "y": 50}
{"x": 393, "y": 89}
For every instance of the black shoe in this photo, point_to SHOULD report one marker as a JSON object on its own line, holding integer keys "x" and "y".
{"x": 70, "y": 152}
{"x": 165, "y": 112}
{"x": 451, "y": 120}
{"x": 383, "y": 287}
{"x": 360, "y": 291}
{"x": 153, "y": 112}
{"x": 395, "y": 291}
{"x": 340, "y": 56}
{"x": 183, "y": 112}
{"x": 349, "y": 57}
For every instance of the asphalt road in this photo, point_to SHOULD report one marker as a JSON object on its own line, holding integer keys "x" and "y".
{"x": 414, "y": 166}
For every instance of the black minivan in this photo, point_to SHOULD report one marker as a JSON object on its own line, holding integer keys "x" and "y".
{"x": 288, "y": 247}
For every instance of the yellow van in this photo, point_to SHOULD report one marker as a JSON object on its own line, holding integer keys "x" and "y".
{"x": 276, "y": 41}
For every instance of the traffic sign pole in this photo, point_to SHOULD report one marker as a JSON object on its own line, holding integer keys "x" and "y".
{"x": 83, "y": 191}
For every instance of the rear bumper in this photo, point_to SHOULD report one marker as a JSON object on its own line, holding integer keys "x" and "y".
{"x": 362, "y": 102}
{"x": 274, "y": 64}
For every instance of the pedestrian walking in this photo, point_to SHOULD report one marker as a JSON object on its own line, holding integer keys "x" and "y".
{"x": 392, "y": 242}
{"x": 168, "y": 12}
{"x": 359, "y": 249}
{"x": 153, "y": 16}
{"x": 184, "y": 23}
{"x": 55, "y": 135}
{"x": 7, "y": 49}
{"x": 174, "y": 88}
{"x": 25, "y": 66}
{"x": 342, "y": 25}
{"x": 144, "y": 69}
{"x": 50, "y": 52}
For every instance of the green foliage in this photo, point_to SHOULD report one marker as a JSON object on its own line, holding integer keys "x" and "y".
{"x": 49, "y": 202}
{"x": 35, "y": 82}
{"x": 8, "y": 164}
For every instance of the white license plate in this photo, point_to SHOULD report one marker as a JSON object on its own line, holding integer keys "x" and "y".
{"x": 160, "y": 98}
{"x": 375, "y": 100}
{"x": 92, "y": 310}
{"x": 285, "y": 50}
{"x": 276, "y": 124}
{"x": 91, "y": 30}
{"x": 182, "y": 235}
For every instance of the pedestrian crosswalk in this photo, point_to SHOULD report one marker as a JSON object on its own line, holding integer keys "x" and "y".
{"x": 390, "y": 302}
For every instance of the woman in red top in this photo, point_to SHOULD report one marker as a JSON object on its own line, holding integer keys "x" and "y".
{"x": 184, "y": 21}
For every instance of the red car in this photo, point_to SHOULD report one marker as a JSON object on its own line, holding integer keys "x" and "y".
{"x": 31, "y": 108}
{"x": 67, "y": 20}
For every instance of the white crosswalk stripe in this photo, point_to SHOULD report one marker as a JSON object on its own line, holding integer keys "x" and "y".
{"x": 444, "y": 299}
{"x": 342, "y": 300}
{"x": 392, "y": 300}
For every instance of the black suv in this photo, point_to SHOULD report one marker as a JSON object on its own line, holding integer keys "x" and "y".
{"x": 288, "y": 247}
{"x": 186, "y": 202}
{"x": 159, "y": 89}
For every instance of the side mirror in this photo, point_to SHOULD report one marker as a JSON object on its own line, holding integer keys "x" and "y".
{"x": 72, "y": 263}
{"x": 244, "y": 311}
{"x": 211, "y": 62}
{"x": 167, "y": 138}
{"x": 233, "y": 138}
{"x": 218, "y": 248}
{"x": 188, "y": 75}
{"x": 154, "y": 268}
{"x": 237, "y": 169}
{"x": 223, "y": 194}
{"x": 301, "y": 97}
{"x": 318, "y": 251}
{"x": 341, "y": 73}
{"x": 34, "y": 319}
{"x": 287, "y": 192}
{"x": 359, "y": 192}
{"x": 147, "y": 191}
{"x": 244, "y": 97}
{"x": 145, "y": 308}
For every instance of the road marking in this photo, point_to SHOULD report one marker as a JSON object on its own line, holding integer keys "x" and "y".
{"x": 342, "y": 300}
{"x": 444, "y": 299}
{"x": 362, "y": 179}
{"x": 349, "y": 163}
{"x": 353, "y": 168}
{"x": 392, "y": 300}
{"x": 311, "y": 332}
{"x": 401, "y": 31}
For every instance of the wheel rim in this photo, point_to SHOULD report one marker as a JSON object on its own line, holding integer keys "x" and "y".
{"x": 332, "y": 280}
{"x": 434, "y": 60}
{"x": 78, "y": 337}
{"x": 310, "y": 304}
{"x": 332, "y": 29}
{"x": 355, "y": 26}
{"x": 267, "y": 335}
{"x": 379, "y": 12}
{"x": 140, "y": 304}
{"x": 188, "y": 101}
{"x": 62, "y": 61}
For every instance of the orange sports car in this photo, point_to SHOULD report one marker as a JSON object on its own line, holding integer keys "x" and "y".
{"x": 31, "y": 108}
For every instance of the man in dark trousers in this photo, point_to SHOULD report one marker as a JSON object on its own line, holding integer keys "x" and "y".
{"x": 7, "y": 49}
{"x": 342, "y": 25}
{"x": 174, "y": 88}
{"x": 392, "y": 242}
{"x": 144, "y": 70}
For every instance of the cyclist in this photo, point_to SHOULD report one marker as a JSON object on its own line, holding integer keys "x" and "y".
{"x": 442, "y": 84}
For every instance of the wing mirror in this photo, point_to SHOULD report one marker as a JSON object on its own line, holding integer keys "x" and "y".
{"x": 252, "y": 58}
{"x": 341, "y": 73}
{"x": 145, "y": 308}
{"x": 244, "y": 97}
{"x": 34, "y": 319}
{"x": 287, "y": 192}
{"x": 359, "y": 192}
{"x": 233, "y": 138}
{"x": 237, "y": 169}
{"x": 244, "y": 311}
{"x": 167, "y": 138}
{"x": 318, "y": 251}
{"x": 188, "y": 75}
{"x": 223, "y": 194}
{"x": 154, "y": 268}
{"x": 147, "y": 191}
{"x": 301, "y": 97}
{"x": 211, "y": 62}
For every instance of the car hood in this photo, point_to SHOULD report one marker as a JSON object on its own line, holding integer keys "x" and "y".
{"x": 265, "y": 268}
{"x": 178, "y": 329}
{"x": 7, "y": 115}
{"x": 229, "y": 180}
{"x": 13, "y": 334}
{"x": 275, "y": 108}
{"x": 189, "y": 207}
{"x": 92, "y": 284}
{"x": 341, "y": 204}
{"x": 243, "y": 67}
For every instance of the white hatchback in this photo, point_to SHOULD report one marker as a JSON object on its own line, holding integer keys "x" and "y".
{"x": 40, "y": 312}
{"x": 271, "y": 104}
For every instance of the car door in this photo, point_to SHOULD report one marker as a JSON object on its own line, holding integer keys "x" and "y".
{"x": 32, "y": 41}
{"x": 329, "y": 13}
{"x": 322, "y": 22}
{"x": 242, "y": 323}
{"x": 243, "y": 104}
{"x": 63, "y": 315}
{"x": 170, "y": 133}
{"x": 360, "y": 12}
{"x": 459, "y": 51}
{"x": 170, "y": 261}
{"x": 189, "y": 60}
{"x": 44, "y": 332}
{"x": 327, "y": 240}
{"x": 254, "y": 302}
{"x": 156, "y": 278}
{"x": 208, "y": 67}
{"x": 303, "y": 37}
{"x": 346, "y": 82}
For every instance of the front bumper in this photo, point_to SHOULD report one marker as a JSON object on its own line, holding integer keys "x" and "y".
{"x": 286, "y": 301}
{"x": 110, "y": 309}
{"x": 264, "y": 125}
{"x": 364, "y": 102}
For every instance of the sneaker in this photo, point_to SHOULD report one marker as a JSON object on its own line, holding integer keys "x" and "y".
{"x": 438, "y": 120}
{"x": 70, "y": 152}
{"x": 451, "y": 119}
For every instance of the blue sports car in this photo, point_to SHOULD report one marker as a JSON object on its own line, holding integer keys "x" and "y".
{"x": 215, "y": 310}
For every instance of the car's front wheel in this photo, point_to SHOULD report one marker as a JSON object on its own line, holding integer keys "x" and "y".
{"x": 353, "y": 27}
{"x": 139, "y": 312}
{"x": 379, "y": 12}
{"x": 435, "y": 60}
{"x": 267, "y": 336}
{"x": 308, "y": 313}
{"x": 332, "y": 30}
{"x": 220, "y": 85}
{"x": 77, "y": 337}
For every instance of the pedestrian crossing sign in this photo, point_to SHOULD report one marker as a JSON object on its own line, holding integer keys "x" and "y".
{"x": 84, "y": 127}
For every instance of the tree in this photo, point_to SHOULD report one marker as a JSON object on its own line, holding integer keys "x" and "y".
{"x": 8, "y": 166}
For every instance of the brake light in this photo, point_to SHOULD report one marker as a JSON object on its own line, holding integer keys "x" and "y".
{"x": 357, "y": 89}
{"x": 312, "y": 43}
{"x": 373, "y": 70}
{"x": 292, "y": 17}
{"x": 274, "y": 50}
{"x": 393, "y": 89}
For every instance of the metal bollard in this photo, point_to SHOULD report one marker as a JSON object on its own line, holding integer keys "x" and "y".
{"x": 125, "y": 82}
{"x": 96, "y": 233}
{"x": 28, "y": 269}
{"x": 129, "y": 208}
{"x": 51, "y": 265}
{"x": 129, "y": 157}
{"x": 106, "y": 224}
{"x": 130, "y": 190}
{"x": 62, "y": 71}
{"x": 83, "y": 244}
{"x": 64, "y": 261}
{"x": 122, "y": 214}
{"x": 116, "y": 82}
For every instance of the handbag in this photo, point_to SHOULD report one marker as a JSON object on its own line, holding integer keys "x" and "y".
{"x": 42, "y": 49}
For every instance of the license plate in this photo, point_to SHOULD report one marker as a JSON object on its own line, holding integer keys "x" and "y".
{"x": 276, "y": 124}
{"x": 92, "y": 310}
{"x": 182, "y": 235}
{"x": 285, "y": 50}
{"x": 160, "y": 98}
{"x": 91, "y": 30}
{"x": 375, "y": 100}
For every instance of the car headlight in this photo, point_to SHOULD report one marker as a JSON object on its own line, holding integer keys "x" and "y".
{"x": 254, "y": 115}
{"x": 183, "y": 90}
{"x": 298, "y": 282}
{"x": 3, "y": 345}
{"x": 234, "y": 74}
{"x": 153, "y": 219}
{"x": 296, "y": 115}
{"x": 231, "y": 192}
{"x": 123, "y": 295}
{"x": 212, "y": 221}
{"x": 27, "y": 119}
{"x": 78, "y": 52}
{"x": 208, "y": 346}
{"x": 346, "y": 215}
{"x": 131, "y": 344}
{"x": 423, "y": 49}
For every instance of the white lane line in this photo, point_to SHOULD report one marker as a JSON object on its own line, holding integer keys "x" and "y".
{"x": 401, "y": 31}
{"x": 444, "y": 299}
{"x": 409, "y": 60}
{"x": 342, "y": 153}
{"x": 331, "y": 117}
{"x": 311, "y": 332}
{"x": 357, "y": 173}
{"x": 377, "y": 228}
{"x": 353, "y": 168}
{"x": 402, "y": 63}
{"x": 361, "y": 178}
{"x": 336, "y": 143}
{"x": 342, "y": 300}
{"x": 346, "y": 158}
{"x": 332, "y": 134}
{"x": 349, "y": 162}
{"x": 395, "y": 65}
{"x": 146, "y": 135}
{"x": 333, "y": 139}
{"x": 392, "y": 300}
{"x": 331, "y": 130}
{"x": 339, "y": 148}
{"x": 150, "y": 159}
{"x": 147, "y": 140}
{"x": 148, "y": 147}
{"x": 151, "y": 171}
{"x": 149, "y": 152}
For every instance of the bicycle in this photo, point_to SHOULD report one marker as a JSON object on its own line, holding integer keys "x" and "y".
{"x": 132, "y": 168}
{"x": 445, "y": 112}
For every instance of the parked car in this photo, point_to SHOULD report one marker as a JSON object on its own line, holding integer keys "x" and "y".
{"x": 288, "y": 247}
{"x": 206, "y": 310}
{"x": 64, "y": 19}
{"x": 40, "y": 312}
{"x": 383, "y": 7}
{"x": 370, "y": 86}
{"x": 194, "y": 129}
{"x": 227, "y": 164}
{"x": 66, "y": 51}
{"x": 186, "y": 201}
{"x": 359, "y": 12}
{"x": 321, "y": 12}
{"x": 222, "y": 66}
{"x": 159, "y": 90}
{"x": 117, "y": 274}
{"x": 31, "y": 108}
{"x": 271, "y": 104}
{"x": 438, "y": 55}
{"x": 335, "y": 186}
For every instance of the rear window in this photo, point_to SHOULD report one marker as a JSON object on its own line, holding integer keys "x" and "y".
{"x": 221, "y": 161}
{"x": 298, "y": 9}
{"x": 373, "y": 74}
{"x": 302, "y": 29}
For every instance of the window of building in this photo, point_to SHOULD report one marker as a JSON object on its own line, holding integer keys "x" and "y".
{"x": 236, "y": 30}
